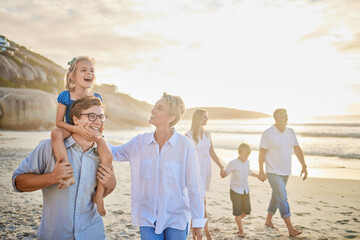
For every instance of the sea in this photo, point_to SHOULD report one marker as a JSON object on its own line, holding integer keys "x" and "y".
{"x": 331, "y": 144}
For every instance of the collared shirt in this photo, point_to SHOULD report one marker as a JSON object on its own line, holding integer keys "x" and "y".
{"x": 279, "y": 147}
{"x": 240, "y": 172}
{"x": 67, "y": 213}
{"x": 166, "y": 184}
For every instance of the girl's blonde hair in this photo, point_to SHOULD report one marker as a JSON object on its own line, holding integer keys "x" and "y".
{"x": 69, "y": 83}
{"x": 176, "y": 107}
{"x": 196, "y": 123}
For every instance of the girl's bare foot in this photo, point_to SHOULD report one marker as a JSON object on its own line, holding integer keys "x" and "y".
{"x": 294, "y": 233}
{"x": 241, "y": 234}
{"x": 66, "y": 183}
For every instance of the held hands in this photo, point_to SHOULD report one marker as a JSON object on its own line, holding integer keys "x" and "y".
{"x": 62, "y": 170}
{"x": 262, "y": 176}
{"x": 222, "y": 173}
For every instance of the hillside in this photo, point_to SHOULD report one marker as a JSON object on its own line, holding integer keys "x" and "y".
{"x": 226, "y": 113}
{"x": 30, "y": 84}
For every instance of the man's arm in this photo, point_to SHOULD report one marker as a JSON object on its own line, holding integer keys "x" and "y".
{"x": 262, "y": 175}
{"x": 28, "y": 182}
{"x": 300, "y": 156}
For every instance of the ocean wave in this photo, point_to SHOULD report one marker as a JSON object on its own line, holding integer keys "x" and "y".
{"x": 303, "y": 134}
{"x": 338, "y": 155}
{"x": 355, "y": 156}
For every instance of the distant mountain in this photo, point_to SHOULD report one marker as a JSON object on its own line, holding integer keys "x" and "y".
{"x": 226, "y": 113}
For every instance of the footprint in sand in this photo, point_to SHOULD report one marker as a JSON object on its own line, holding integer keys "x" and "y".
{"x": 302, "y": 214}
{"x": 346, "y": 213}
{"x": 342, "y": 222}
{"x": 356, "y": 220}
{"x": 351, "y": 237}
{"x": 302, "y": 203}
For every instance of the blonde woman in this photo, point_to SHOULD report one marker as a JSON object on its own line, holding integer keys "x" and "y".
{"x": 205, "y": 151}
{"x": 166, "y": 189}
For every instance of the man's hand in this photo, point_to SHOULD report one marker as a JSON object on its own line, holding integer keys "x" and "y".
{"x": 62, "y": 170}
{"x": 106, "y": 177}
{"x": 304, "y": 171}
{"x": 197, "y": 233}
{"x": 262, "y": 176}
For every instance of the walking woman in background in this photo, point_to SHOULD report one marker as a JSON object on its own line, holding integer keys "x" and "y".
{"x": 205, "y": 150}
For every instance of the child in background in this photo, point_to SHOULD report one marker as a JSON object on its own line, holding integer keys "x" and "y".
{"x": 239, "y": 187}
{"x": 79, "y": 82}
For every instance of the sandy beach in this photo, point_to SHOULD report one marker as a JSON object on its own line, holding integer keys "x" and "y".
{"x": 321, "y": 208}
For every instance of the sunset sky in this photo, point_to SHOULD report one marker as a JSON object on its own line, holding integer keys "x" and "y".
{"x": 252, "y": 54}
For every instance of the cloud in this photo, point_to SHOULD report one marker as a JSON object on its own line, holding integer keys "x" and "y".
{"x": 61, "y": 30}
{"x": 351, "y": 46}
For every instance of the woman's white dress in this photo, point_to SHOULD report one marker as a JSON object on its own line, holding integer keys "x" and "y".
{"x": 203, "y": 152}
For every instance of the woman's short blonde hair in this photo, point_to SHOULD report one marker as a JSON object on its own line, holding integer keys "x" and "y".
{"x": 244, "y": 148}
{"x": 69, "y": 83}
{"x": 176, "y": 107}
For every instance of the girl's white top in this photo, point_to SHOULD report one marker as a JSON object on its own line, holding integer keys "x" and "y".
{"x": 203, "y": 151}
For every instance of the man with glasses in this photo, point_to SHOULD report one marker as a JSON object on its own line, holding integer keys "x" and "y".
{"x": 69, "y": 213}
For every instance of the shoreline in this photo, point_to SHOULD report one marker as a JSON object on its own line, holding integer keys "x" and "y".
{"x": 30, "y": 139}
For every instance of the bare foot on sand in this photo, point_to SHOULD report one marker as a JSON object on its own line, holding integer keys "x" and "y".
{"x": 294, "y": 233}
{"x": 66, "y": 183}
{"x": 241, "y": 234}
{"x": 270, "y": 224}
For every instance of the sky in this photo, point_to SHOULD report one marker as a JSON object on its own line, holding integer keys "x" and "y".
{"x": 252, "y": 54}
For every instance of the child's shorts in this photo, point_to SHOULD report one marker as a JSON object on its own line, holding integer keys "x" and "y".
{"x": 240, "y": 202}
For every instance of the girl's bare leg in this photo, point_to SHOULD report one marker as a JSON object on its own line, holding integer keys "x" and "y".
{"x": 57, "y": 141}
{"x": 206, "y": 228}
{"x": 106, "y": 158}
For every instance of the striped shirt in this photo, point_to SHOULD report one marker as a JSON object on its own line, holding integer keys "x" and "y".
{"x": 166, "y": 184}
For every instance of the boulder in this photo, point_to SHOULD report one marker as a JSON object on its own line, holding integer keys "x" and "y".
{"x": 27, "y": 109}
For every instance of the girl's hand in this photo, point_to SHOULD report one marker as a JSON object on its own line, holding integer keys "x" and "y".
{"x": 85, "y": 133}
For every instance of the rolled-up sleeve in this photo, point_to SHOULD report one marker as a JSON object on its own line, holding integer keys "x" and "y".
{"x": 195, "y": 190}
{"x": 35, "y": 162}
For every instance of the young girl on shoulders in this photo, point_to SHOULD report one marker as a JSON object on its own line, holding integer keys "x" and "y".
{"x": 79, "y": 81}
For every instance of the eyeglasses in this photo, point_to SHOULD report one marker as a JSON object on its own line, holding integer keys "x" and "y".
{"x": 92, "y": 117}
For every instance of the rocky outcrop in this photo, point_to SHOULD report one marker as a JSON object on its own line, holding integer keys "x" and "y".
{"x": 26, "y": 69}
{"x": 27, "y": 109}
{"x": 32, "y": 109}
